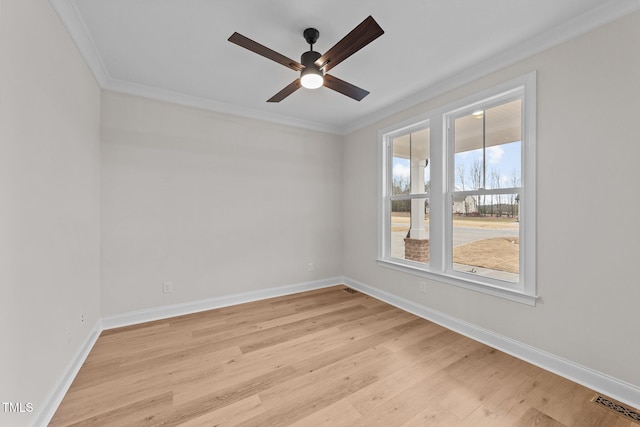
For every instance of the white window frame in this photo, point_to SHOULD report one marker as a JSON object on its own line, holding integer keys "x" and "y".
{"x": 440, "y": 265}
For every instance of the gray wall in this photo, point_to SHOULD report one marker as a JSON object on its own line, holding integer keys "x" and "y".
{"x": 215, "y": 204}
{"x": 588, "y": 151}
{"x": 49, "y": 204}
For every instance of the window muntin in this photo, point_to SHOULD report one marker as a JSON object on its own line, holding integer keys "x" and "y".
{"x": 503, "y": 192}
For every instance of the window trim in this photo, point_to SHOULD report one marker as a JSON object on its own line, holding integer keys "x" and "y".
{"x": 440, "y": 229}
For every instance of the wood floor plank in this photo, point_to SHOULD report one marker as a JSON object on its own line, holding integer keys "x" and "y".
{"x": 405, "y": 405}
{"x": 230, "y": 415}
{"x": 509, "y": 403}
{"x": 138, "y": 412}
{"x": 435, "y": 415}
{"x": 213, "y": 401}
{"x": 326, "y": 357}
{"x": 300, "y": 400}
{"x": 302, "y": 327}
{"x": 368, "y": 399}
{"x": 535, "y": 418}
{"x": 339, "y": 414}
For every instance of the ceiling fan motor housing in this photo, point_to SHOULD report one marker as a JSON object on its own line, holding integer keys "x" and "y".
{"x": 308, "y": 59}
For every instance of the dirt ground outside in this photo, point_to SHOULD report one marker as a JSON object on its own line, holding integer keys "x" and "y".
{"x": 497, "y": 253}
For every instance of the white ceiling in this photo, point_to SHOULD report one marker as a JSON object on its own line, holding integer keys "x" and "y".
{"x": 177, "y": 50}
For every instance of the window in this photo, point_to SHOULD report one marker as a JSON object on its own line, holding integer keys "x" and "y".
{"x": 409, "y": 198}
{"x": 457, "y": 193}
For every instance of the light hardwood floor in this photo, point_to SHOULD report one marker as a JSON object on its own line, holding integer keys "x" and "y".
{"x": 320, "y": 358}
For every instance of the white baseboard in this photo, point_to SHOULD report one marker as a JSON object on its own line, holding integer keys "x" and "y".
{"x": 56, "y": 395}
{"x": 141, "y": 316}
{"x": 597, "y": 381}
{"x": 108, "y": 322}
{"x": 602, "y": 383}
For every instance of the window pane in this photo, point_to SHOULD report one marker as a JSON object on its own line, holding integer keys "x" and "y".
{"x": 420, "y": 167}
{"x": 410, "y": 168}
{"x": 410, "y": 230}
{"x": 401, "y": 169}
{"x": 486, "y": 240}
{"x": 503, "y": 145}
{"x": 487, "y": 148}
{"x": 469, "y": 155}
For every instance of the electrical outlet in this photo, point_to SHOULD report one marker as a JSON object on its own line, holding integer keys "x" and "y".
{"x": 167, "y": 287}
{"x": 423, "y": 287}
{"x": 310, "y": 266}
{"x": 82, "y": 319}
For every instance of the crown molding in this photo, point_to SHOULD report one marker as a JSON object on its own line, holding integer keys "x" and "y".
{"x": 212, "y": 105}
{"x": 71, "y": 18}
{"x": 602, "y": 15}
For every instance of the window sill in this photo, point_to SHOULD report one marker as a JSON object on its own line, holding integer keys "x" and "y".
{"x": 509, "y": 294}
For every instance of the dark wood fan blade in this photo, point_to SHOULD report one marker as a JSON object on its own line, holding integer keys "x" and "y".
{"x": 359, "y": 37}
{"x": 292, "y": 87}
{"x": 256, "y": 47}
{"x": 344, "y": 88}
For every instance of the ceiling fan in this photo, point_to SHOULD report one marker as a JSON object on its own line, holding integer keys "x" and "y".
{"x": 313, "y": 66}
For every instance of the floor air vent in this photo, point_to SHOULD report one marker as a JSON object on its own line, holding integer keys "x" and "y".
{"x": 617, "y": 408}
{"x": 350, "y": 291}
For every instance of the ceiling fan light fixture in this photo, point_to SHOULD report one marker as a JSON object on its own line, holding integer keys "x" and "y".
{"x": 311, "y": 79}
{"x": 311, "y": 76}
